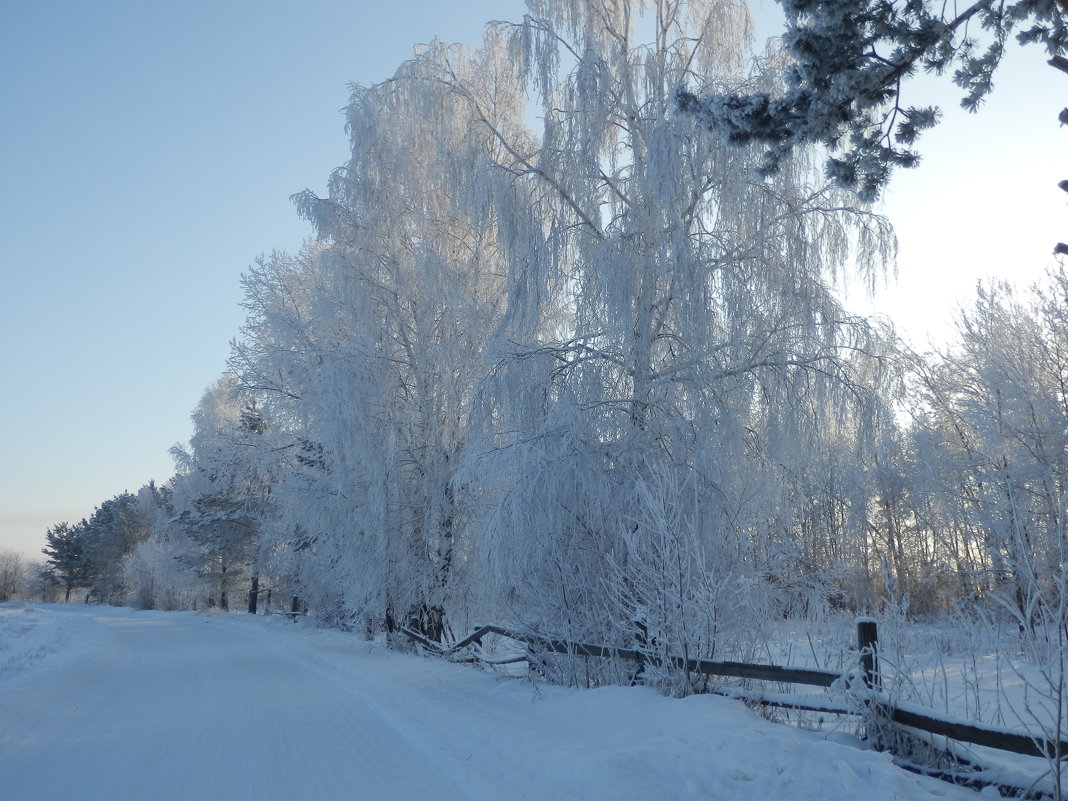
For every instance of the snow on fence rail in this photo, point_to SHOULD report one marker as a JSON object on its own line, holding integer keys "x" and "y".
{"x": 869, "y": 696}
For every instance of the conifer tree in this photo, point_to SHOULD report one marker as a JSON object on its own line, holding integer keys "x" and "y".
{"x": 67, "y": 561}
{"x": 850, "y": 62}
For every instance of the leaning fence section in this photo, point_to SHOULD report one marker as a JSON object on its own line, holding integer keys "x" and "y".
{"x": 863, "y": 686}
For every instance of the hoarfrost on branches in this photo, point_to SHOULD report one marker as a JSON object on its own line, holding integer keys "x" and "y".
{"x": 520, "y": 374}
{"x": 678, "y": 333}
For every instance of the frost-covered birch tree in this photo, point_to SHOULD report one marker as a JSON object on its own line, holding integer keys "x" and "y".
{"x": 158, "y": 572}
{"x": 994, "y": 435}
{"x": 375, "y": 340}
{"x": 222, "y": 490}
{"x": 283, "y": 347}
{"x": 592, "y": 377}
{"x": 672, "y": 355}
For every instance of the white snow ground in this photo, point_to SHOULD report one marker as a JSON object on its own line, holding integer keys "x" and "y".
{"x": 106, "y": 704}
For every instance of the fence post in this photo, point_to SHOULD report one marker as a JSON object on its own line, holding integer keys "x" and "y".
{"x": 868, "y": 646}
{"x": 641, "y": 640}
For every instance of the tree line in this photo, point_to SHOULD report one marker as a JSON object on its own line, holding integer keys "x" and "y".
{"x": 559, "y": 356}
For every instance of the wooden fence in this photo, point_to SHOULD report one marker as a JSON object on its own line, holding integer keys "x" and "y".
{"x": 870, "y": 700}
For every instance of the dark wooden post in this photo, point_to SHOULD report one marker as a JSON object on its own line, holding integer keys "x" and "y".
{"x": 641, "y": 641}
{"x": 868, "y": 645}
{"x": 254, "y": 595}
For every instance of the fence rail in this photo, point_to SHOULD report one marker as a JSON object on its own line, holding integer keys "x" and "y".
{"x": 708, "y": 667}
{"x": 870, "y": 699}
{"x": 1000, "y": 739}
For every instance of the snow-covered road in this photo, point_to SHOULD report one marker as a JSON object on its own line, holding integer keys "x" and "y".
{"x": 102, "y": 704}
{"x": 182, "y": 706}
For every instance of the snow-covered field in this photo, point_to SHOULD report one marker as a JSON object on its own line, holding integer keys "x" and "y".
{"x": 99, "y": 703}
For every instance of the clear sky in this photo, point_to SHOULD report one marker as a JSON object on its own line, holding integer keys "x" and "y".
{"x": 147, "y": 155}
{"x": 984, "y": 200}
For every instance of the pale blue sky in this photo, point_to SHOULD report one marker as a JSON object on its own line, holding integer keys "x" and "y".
{"x": 147, "y": 156}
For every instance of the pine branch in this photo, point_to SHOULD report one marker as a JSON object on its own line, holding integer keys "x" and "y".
{"x": 1060, "y": 62}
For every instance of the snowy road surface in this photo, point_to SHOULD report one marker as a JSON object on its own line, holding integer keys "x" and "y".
{"x": 102, "y": 704}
